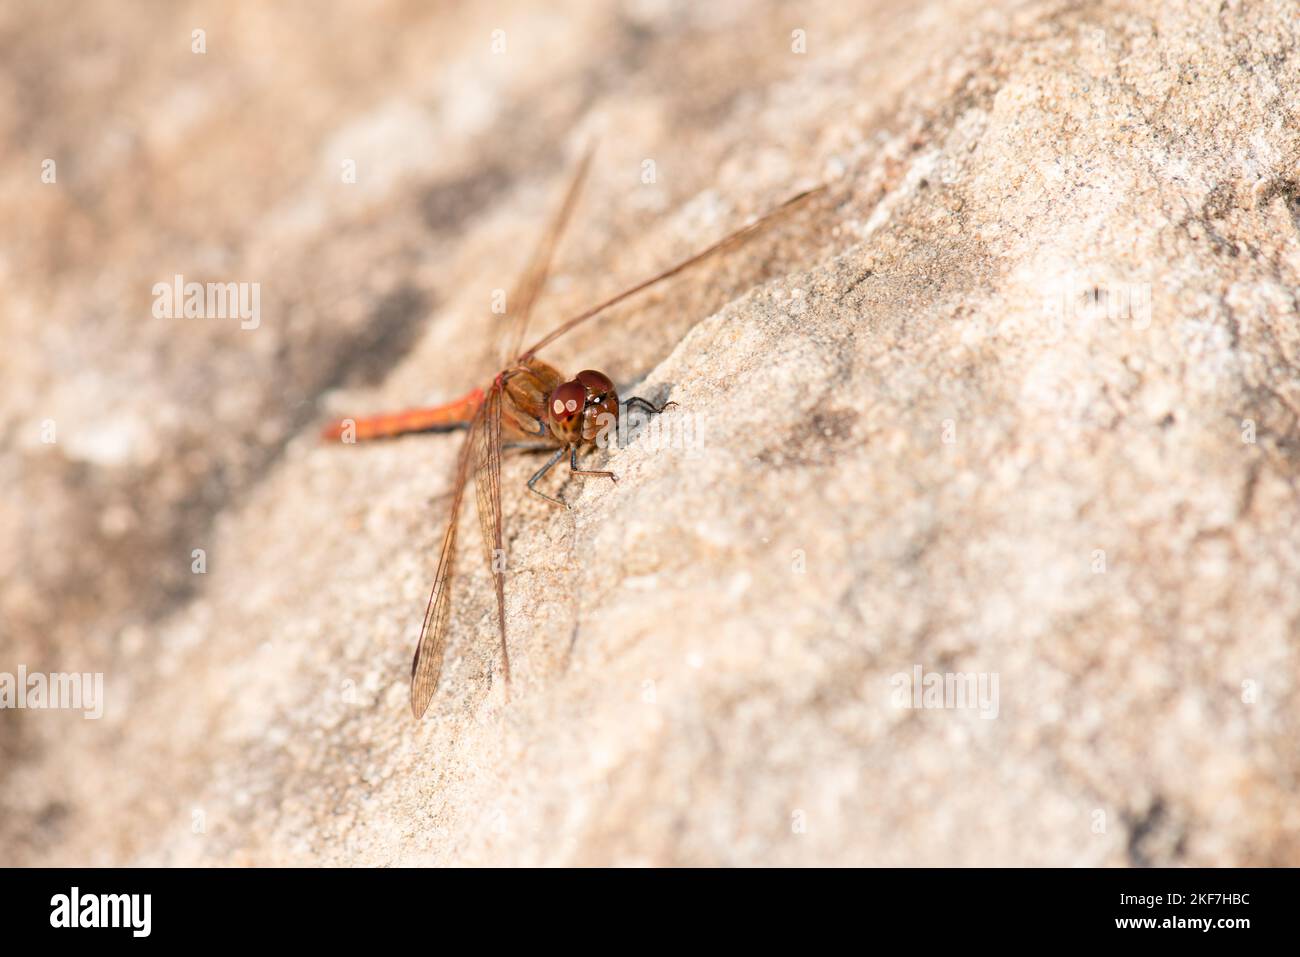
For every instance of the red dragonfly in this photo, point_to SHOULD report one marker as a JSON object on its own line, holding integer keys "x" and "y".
{"x": 530, "y": 402}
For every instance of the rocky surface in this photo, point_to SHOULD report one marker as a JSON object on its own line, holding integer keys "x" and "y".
{"x": 1016, "y": 397}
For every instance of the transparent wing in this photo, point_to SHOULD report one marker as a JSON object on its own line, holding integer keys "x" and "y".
{"x": 487, "y": 487}
{"x": 427, "y": 664}
{"x": 726, "y": 242}
{"x": 524, "y": 296}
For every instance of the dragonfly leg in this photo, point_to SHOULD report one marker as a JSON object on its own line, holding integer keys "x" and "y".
{"x": 636, "y": 402}
{"x": 573, "y": 467}
{"x": 633, "y": 423}
{"x": 532, "y": 482}
{"x": 530, "y": 446}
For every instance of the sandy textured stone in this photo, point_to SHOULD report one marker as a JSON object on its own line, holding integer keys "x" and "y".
{"x": 1018, "y": 395}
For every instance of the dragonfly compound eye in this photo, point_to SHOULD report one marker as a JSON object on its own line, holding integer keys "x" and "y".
{"x": 566, "y": 401}
{"x": 596, "y": 384}
{"x": 564, "y": 408}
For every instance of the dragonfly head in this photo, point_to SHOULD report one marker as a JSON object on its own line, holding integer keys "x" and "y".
{"x": 579, "y": 409}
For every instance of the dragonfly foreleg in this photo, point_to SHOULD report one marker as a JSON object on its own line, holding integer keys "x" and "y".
{"x": 633, "y": 423}
{"x": 636, "y": 402}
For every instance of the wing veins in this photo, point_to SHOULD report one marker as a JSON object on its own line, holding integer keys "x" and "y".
{"x": 525, "y": 294}
{"x": 426, "y": 666}
{"x": 487, "y": 489}
{"x": 731, "y": 239}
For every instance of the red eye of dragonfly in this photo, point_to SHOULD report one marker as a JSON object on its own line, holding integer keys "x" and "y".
{"x": 597, "y": 384}
{"x": 567, "y": 400}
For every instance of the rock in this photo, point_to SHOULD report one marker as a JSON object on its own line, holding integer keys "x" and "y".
{"x": 1015, "y": 398}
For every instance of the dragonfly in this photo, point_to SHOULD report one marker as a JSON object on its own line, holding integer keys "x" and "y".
{"x": 528, "y": 402}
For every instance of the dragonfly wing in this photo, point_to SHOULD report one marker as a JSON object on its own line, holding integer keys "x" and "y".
{"x": 487, "y": 487}
{"x": 525, "y": 294}
{"x": 729, "y": 241}
{"x": 427, "y": 664}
